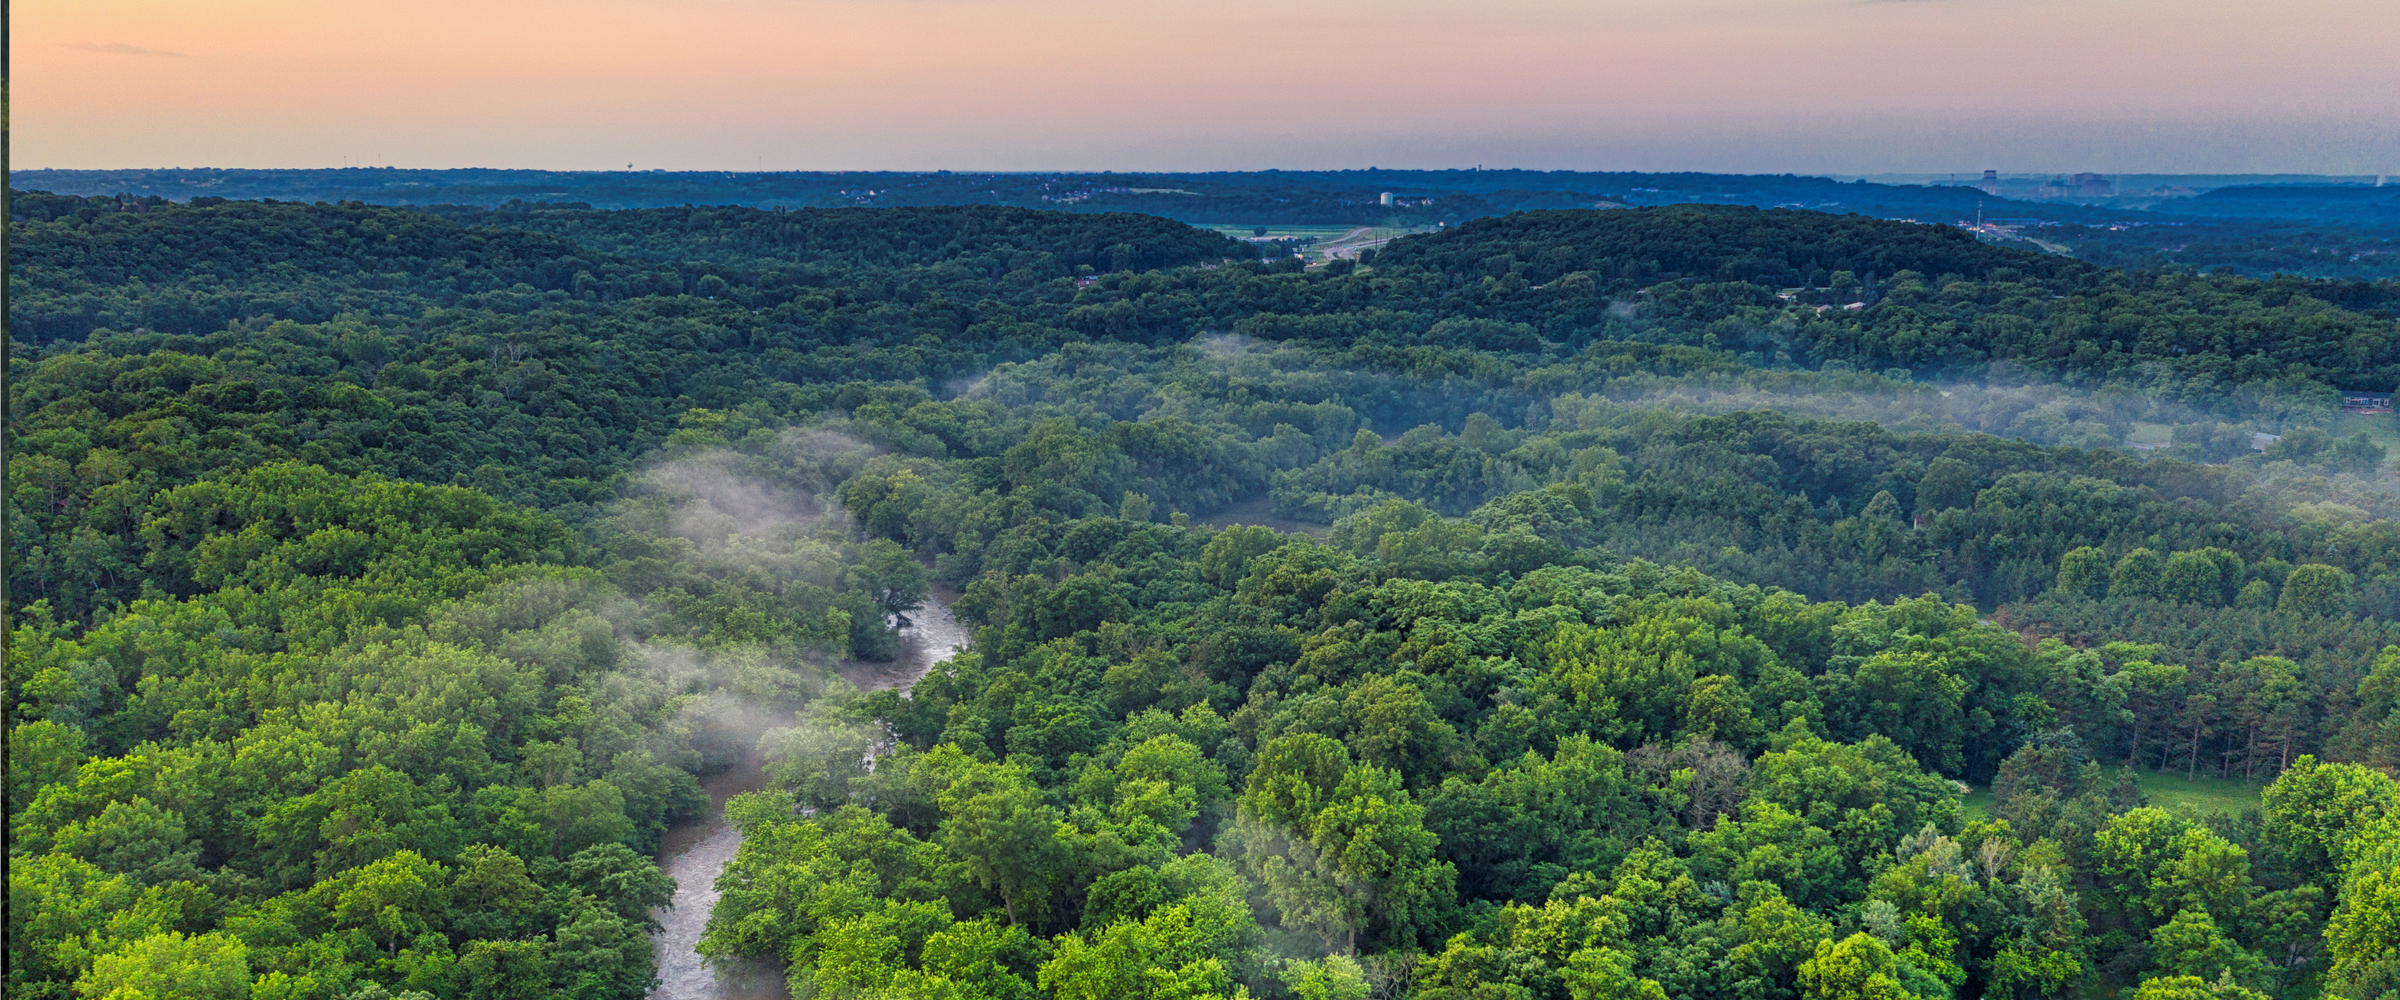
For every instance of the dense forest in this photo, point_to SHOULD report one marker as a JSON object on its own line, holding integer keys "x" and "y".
{"x": 2247, "y": 246}
{"x": 2378, "y": 205}
{"x": 1686, "y": 602}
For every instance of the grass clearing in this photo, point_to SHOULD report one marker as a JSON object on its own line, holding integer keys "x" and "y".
{"x": 1322, "y": 243}
{"x": 2382, "y": 428}
{"x": 2150, "y": 435}
{"x": 1977, "y": 804}
{"x": 2172, "y": 792}
{"x": 1365, "y": 238}
{"x": 1280, "y": 232}
{"x": 2201, "y": 794}
{"x": 1261, "y": 511}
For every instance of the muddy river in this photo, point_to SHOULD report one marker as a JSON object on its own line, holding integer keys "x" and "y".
{"x": 695, "y": 852}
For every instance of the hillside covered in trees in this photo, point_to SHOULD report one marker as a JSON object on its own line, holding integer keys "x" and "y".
{"x": 1683, "y": 602}
{"x": 2262, "y": 226}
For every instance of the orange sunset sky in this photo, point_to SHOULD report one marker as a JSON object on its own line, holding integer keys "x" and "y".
{"x": 1732, "y": 85}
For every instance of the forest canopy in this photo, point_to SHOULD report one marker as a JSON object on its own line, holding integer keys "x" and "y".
{"x": 1685, "y": 602}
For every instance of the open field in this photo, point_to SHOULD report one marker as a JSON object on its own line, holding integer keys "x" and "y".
{"x": 2172, "y": 792}
{"x": 2203, "y": 794}
{"x": 1279, "y": 232}
{"x": 1363, "y": 238}
{"x": 1261, "y": 511}
{"x": 1977, "y": 805}
{"x": 2383, "y": 428}
{"x": 1327, "y": 242}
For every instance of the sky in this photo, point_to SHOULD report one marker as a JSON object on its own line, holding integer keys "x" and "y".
{"x": 1805, "y": 86}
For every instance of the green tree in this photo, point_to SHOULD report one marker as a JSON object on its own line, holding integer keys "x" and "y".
{"x": 2255, "y": 594}
{"x": 2137, "y": 575}
{"x": 1396, "y": 727}
{"x": 1531, "y": 822}
{"x": 2359, "y": 453}
{"x": 1607, "y": 974}
{"x": 492, "y": 896}
{"x": 1636, "y": 684}
{"x": 980, "y": 959}
{"x": 2194, "y": 988}
{"x": 890, "y": 575}
{"x": 2310, "y": 813}
{"x": 2083, "y": 572}
{"x": 625, "y": 883}
{"x": 392, "y": 900}
{"x": 869, "y": 953}
{"x": 1868, "y": 794}
{"x": 1948, "y": 484}
{"x": 1336, "y": 977}
{"x": 1914, "y": 698}
{"x": 885, "y": 503}
{"x": 63, "y": 911}
{"x": 1184, "y": 949}
{"x": 1765, "y": 843}
{"x": 1081, "y": 603}
{"x": 42, "y": 753}
{"x": 793, "y": 875}
{"x": 170, "y": 966}
{"x": 1226, "y": 559}
{"x": 2375, "y": 729}
{"x": 2150, "y": 693}
{"x": 818, "y": 758}
{"x": 2363, "y": 938}
{"x": 2315, "y": 590}
{"x": 506, "y": 970}
{"x": 135, "y": 838}
{"x": 2192, "y": 945}
{"x": 2157, "y": 864}
{"x": 1340, "y": 850}
{"x": 1858, "y": 967}
{"x": 2209, "y": 576}
{"x": 1163, "y": 783}
{"x": 995, "y": 821}
{"x": 2048, "y": 957}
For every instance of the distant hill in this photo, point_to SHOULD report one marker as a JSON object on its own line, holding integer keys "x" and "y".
{"x": 2254, "y": 229}
{"x": 88, "y": 263}
{"x": 1728, "y": 243}
{"x": 1114, "y": 241}
{"x": 2359, "y": 204}
{"x": 1332, "y": 197}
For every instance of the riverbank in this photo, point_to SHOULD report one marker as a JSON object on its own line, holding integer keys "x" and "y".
{"x": 694, "y": 853}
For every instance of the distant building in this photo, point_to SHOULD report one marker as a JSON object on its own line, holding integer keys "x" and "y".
{"x": 1991, "y": 182}
{"x": 2366, "y": 402}
{"x": 1387, "y": 198}
{"x": 2076, "y": 186}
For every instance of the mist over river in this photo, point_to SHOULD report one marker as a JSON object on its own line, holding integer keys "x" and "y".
{"x": 695, "y": 852}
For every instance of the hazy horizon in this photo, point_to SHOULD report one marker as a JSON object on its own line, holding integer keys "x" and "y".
{"x": 1849, "y": 87}
{"x": 1961, "y": 177}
